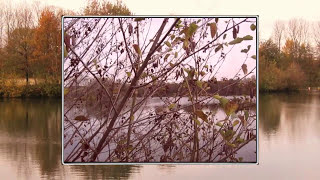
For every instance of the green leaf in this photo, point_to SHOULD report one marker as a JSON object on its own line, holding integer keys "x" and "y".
{"x": 249, "y": 46}
{"x": 240, "y": 140}
{"x": 224, "y": 36}
{"x": 177, "y": 39}
{"x": 144, "y": 75}
{"x": 167, "y": 43}
{"x": 246, "y": 115}
{"x": 66, "y": 90}
{"x": 199, "y": 83}
{"x": 172, "y": 36}
{"x": 253, "y": 27}
{"x": 171, "y": 65}
{"x": 236, "y": 41}
{"x": 217, "y": 97}
{"x": 192, "y": 29}
{"x": 178, "y": 23}
{"x": 197, "y": 121}
{"x": 223, "y": 134}
{"x": 230, "y": 108}
{"x": 95, "y": 63}
{"x": 171, "y": 106}
{"x": 129, "y": 74}
{"x": 166, "y": 57}
{"x": 185, "y": 44}
{"x": 229, "y": 135}
{"x": 247, "y": 37}
{"x": 132, "y": 117}
{"x": 65, "y": 52}
{"x": 175, "y": 54}
{"x": 202, "y": 115}
{"x": 123, "y": 141}
{"x": 218, "y": 48}
{"x": 254, "y": 57}
{"x": 231, "y": 145}
{"x": 235, "y": 123}
{"x": 223, "y": 100}
{"x": 139, "y": 19}
{"x": 240, "y": 159}
{"x": 234, "y": 116}
{"x": 219, "y": 124}
{"x": 243, "y": 121}
{"x": 153, "y": 77}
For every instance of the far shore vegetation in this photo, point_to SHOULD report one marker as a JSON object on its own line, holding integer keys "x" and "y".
{"x": 290, "y": 60}
{"x": 30, "y": 50}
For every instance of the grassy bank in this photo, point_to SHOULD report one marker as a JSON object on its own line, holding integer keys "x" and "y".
{"x": 19, "y": 88}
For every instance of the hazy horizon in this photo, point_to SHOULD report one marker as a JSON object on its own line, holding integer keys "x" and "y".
{"x": 269, "y": 11}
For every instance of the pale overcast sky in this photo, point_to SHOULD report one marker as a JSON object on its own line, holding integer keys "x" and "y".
{"x": 227, "y": 68}
{"x": 269, "y": 11}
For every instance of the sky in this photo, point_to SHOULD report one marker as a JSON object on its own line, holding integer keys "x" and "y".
{"x": 227, "y": 68}
{"x": 269, "y": 11}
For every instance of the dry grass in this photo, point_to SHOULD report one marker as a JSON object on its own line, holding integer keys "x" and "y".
{"x": 21, "y": 82}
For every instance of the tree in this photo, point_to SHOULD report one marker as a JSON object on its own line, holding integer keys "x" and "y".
{"x": 19, "y": 51}
{"x": 47, "y": 43}
{"x": 297, "y": 31}
{"x": 278, "y": 33}
{"x": 96, "y": 7}
{"x": 269, "y": 50}
{"x": 316, "y": 35}
{"x": 8, "y": 16}
{"x": 108, "y": 61}
{"x": 291, "y": 49}
{"x": 295, "y": 77}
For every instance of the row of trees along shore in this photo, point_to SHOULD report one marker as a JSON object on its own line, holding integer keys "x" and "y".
{"x": 30, "y": 45}
{"x": 290, "y": 59}
{"x": 30, "y": 50}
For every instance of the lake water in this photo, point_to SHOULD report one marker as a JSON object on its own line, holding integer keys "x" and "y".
{"x": 289, "y": 145}
{"x": 145, "y": 120}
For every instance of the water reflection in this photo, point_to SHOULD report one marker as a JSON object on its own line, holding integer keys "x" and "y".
{"x": 289, "y": 144}
{"x": 30, "y": 144}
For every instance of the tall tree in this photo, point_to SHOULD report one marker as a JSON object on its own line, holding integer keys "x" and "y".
{"x": 8, "y": 17}
{"x": 19, "y": 51}
{"x": 96, "y": 7}
{"x": 297, "y": 31}
{"x": 19, "y": 35}
{"x": 278, "y": 33}
{"x": 316, "y": 35}
{"x": 47, "y": 42}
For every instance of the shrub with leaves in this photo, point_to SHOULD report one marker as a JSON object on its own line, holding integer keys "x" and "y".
{"x": 109, "y": 61}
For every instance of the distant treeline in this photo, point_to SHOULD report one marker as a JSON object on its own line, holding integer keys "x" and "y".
{"x": 294, "y": 65}
{"x": 224, "y": 88}
{"x": 94, "y": 91}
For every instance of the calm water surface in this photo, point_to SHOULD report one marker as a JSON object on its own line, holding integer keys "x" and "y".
{"x": 289, "y": 145}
